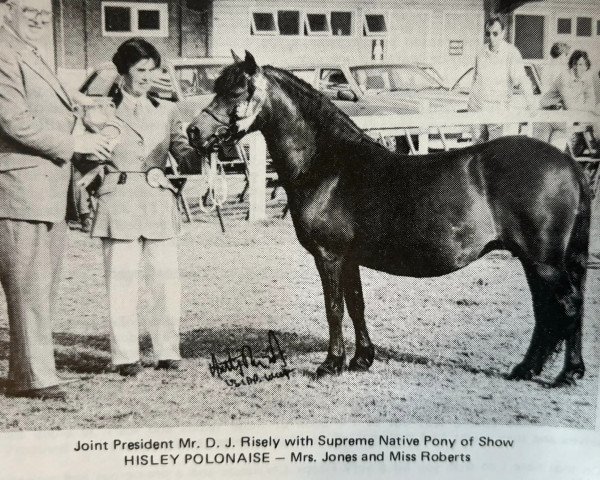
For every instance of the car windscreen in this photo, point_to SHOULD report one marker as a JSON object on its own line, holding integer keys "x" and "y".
{"x": 433, "y": 73}
{"x": 394, "y": 78}
{"x": 100, "y": 82}
{"x": 197, "y": 79}
{"x": 531, "y": 74}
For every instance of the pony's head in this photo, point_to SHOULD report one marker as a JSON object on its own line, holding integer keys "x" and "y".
{"x": 240, "y": 93}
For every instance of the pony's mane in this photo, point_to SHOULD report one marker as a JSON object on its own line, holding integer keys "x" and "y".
{"x": 333, "y": 124}
{"x": 315, "y": 105}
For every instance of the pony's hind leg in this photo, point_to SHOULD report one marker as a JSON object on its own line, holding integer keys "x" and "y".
{"x": 365, "y": 352}
{"x": 330, "y": 267}
{"x": 558, "y": 310}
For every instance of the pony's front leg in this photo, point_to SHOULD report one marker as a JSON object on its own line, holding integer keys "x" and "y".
{"x": 330, "y": 267}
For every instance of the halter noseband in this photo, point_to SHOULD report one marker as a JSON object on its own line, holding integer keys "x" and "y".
{"x": 242, "y": 117}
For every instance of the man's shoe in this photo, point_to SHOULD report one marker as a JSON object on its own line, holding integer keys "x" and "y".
{"x": 47, "y": 393}
{"x": 167, "y": 365}
{"x": 130, "y": 369}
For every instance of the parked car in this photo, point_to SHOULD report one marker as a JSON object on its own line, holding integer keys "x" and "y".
{"x": 373, "y": 89}
{"x": 384, "y": 89}
{"x": 186, "y": 81}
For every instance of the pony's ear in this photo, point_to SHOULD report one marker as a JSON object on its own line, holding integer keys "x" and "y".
{"x": 250, "y": 65}
{"x": 236, "y": 58}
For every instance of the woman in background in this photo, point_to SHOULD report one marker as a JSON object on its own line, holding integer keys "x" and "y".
{"x": 137, "y": 217}
{"x": 571, "y": 90}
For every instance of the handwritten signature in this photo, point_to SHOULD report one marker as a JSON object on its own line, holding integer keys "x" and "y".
{"x": 244, "y": 359}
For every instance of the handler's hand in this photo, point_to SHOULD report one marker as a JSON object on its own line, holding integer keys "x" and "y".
{"x": 93, "y": 144}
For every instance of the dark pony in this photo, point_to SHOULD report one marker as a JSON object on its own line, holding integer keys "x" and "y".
{"x": 354, "y": 203}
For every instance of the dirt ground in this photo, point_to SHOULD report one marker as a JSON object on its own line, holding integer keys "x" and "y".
{"x": 443, "y": 344}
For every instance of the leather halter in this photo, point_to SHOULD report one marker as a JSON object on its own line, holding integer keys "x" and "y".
{"x": 242, "y": 117}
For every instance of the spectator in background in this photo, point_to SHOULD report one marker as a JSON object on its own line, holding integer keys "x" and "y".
{"x": 571, "y": 90}
{"x": 498, "y": 69}
{"x": 559, "y": 64}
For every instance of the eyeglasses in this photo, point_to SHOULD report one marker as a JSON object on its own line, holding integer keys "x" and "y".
{"x": 495, "y": 33}
{"x": 33, "y": 14}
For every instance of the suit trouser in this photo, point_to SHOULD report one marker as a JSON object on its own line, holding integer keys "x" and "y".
{"x": 122, "y": 260}
{"x": 30, "y": 264}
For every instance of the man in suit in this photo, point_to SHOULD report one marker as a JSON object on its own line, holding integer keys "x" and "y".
{"x": 36, "y": 147}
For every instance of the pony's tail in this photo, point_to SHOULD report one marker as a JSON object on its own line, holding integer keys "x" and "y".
{"x": 572, "y": 286}
{"x": 576, "y": 258}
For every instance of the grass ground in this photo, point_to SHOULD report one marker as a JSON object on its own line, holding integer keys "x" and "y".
{"x": 443, "y": 344}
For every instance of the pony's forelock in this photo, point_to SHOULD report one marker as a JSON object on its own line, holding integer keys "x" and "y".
{"x": 232, "y": 80}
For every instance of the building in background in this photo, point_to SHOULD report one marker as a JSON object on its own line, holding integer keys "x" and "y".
{"x": 446, "y": 33}
{"x": 88, "y": 32}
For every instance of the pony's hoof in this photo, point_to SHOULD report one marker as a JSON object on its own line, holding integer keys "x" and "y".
{"x": 363, "y": 359}
{"x": 332, "y": 365}
{"x": 520, "y": 372}
{"x": 567, "y": 378}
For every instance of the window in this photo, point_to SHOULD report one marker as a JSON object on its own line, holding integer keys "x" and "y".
{"x": 374, "y": 24}
{"x": 333, "y": 79}
{"x": 289, "y": 22}
{"x": 197, "y": 79}
{"x": 598, "y": 27}
{"x": 120, "y": 19}
{"x": 148, "y": 20}
{"x": 117, "y": 19}
{"x": 529, "y": 35}
{"x": 317, "y": 24}
{"x": 263, "y": 23}
{"x": 563, "y": 26}
{"x": 584, "y": 27}
{"x": 341, "y": 23}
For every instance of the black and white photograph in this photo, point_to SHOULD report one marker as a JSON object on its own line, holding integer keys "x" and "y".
{"x": 264, "y": 238}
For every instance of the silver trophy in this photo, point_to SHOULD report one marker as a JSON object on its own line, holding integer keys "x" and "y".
{"x": 98, "y": 117}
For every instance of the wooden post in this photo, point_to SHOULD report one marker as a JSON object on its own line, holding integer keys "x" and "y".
{"x": 423, "y": 148}
{"x": 257, "y": 176}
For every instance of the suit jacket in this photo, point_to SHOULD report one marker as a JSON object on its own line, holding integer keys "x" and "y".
{"x": 36, "y": 146}
{"x": 135, "y": 209}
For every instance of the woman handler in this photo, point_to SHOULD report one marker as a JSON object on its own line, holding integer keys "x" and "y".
{"x": 137, "y": 217}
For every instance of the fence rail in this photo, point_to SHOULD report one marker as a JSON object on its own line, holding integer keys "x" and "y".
{"x": 429, "y": 128}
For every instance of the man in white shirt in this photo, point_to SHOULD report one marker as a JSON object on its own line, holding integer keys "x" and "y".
{"x": 498, "y": 69}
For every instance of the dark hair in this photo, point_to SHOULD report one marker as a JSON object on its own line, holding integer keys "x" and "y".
{"x": 576, "y": 56}
{"x": 494, "y": 19}
{"x": 132, "y": 51}
{"x": 558, "y": 49}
